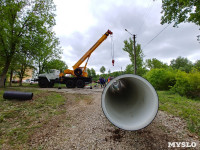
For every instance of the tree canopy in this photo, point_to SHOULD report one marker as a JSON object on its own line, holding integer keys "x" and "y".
{"x": 91, "y": 73}
{"x": 56, "y": 64}
{"x": 102, "y": 69}
{"x": 179, "y": 11}
{"x": 128, "y": 47}
{"x": 182, "y": 64}
{"x": 197, "y": 65}
{"x": 155, "y": 63}
{"x": 26, "y": 30}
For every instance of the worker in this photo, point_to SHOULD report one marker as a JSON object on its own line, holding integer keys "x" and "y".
{"x": 102, "y": 81}
{"x": 109, "y": 78}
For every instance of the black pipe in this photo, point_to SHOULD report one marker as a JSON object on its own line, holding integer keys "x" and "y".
{"x": 17, "y": 95}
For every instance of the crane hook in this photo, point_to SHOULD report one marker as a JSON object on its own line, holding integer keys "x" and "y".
{"x": 112, "y": 50}
{"x": 113, "y": 61}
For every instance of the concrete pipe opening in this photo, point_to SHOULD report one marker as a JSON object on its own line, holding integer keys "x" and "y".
{"x": 129, "y": 102}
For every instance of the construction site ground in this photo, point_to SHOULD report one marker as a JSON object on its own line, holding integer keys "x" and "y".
{"x": 69, "y": 119}
{"x": 84, "y": 126}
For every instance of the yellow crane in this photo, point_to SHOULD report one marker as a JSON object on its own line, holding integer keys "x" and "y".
{"x": 79, "y": 73}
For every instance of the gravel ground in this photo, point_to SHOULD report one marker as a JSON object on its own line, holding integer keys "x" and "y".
{"x": 84, "y": 126}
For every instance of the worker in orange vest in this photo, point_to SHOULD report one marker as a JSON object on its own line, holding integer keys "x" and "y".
{"x": 109, "y": 78}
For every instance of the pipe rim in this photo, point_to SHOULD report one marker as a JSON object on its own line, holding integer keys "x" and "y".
{"x": 137, "y": 77}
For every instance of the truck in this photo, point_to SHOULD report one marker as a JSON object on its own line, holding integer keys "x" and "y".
{"x": 77, "y": 77}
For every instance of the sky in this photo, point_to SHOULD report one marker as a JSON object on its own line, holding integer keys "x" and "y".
{"x": 80, "y": 23}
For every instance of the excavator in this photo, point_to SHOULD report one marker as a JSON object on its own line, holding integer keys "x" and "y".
{"x": 78, "y": 76}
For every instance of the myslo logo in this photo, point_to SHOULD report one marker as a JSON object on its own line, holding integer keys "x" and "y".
{"x": 182, "y": 144}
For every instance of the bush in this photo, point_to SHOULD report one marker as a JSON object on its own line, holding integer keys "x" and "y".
{"x": 187, "y": 84}
{"x": 161, "y": 79}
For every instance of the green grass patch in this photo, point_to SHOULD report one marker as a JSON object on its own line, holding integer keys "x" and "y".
{"x": 57, "y": 85}
{"x": 188, "y": 109}
{"x": 19, "y": 119}
{"x": 35, "y": 85}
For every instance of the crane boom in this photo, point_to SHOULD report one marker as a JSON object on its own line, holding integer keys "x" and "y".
{"x": 81, "y": 71}
{"x": 92, "y": 49}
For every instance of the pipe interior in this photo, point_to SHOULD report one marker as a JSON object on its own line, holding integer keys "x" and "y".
{"x": 134, "y": 106}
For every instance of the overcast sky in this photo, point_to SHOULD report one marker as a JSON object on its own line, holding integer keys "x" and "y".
{"x": 80, "y": 23}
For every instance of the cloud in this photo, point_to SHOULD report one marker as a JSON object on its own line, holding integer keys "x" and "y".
{"x": 81, "y": 23}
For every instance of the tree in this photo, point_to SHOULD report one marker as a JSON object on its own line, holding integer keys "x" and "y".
{"x": 102, "y": 69}
{"x": 197, "y": 65}
{"x": 93, "y": 73}
{"x": 155, "y": 63}
{"x": 182, "y": 64}
{"x": 179, "y": 11}
{"x": 141, "y": 71}
{"x": 23, "y": 20}
{"x": 129, "y": 69}
{"x": 109, "y": 71}
{"x": 46, "y": 50}
{"x": 24, "y": 62}
{"x": 116, "y": 73}
{"x": 128, "y": 47}
{"x": 56, "y": 64}
{"x": 89, "y": 72}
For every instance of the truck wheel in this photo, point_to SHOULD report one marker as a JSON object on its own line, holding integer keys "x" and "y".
{"x": 43, "y": 83}
{"x": 80, "y": 84}
{"x": 78, "y": 72}
{"x": 70, "y": 84}
{"x": 51, "y": 84}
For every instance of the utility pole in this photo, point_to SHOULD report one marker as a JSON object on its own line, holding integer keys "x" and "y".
{"x": 134, "y": 54}
{"x": 134, "y": 49}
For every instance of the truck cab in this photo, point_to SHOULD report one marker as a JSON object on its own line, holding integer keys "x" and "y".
{"x": 48, "y": 79}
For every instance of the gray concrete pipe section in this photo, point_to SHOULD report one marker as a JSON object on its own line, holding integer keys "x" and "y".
{"x": 129, "y": 102}
{"x": 17, "y": 95}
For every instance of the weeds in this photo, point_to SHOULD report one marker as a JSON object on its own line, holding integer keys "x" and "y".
{"x": 19, "y": 119}
{"x": 183, "y": 107}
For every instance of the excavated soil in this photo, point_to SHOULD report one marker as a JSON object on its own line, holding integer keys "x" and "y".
{"x": 84, "y": 127}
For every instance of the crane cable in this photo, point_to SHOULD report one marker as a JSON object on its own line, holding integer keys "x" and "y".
{"x": 112, "y": 50}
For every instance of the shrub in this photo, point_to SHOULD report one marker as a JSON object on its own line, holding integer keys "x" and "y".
{"x": 161, "y": 79}
{"x": 187, "y": 84}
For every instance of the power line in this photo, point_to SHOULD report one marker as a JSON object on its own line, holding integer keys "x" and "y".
{"x": 149, "y": 8}
{"x": 156, "y": 35}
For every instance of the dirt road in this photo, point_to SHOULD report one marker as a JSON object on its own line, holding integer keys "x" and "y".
{"x": 84, "y": 126}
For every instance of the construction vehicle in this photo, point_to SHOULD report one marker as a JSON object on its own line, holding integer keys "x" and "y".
{"x": 78, "y": 76}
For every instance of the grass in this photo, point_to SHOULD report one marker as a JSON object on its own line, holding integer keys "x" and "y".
{"x": 188, "y": 109}
{"x": 19, "y": 119}
{"x": 23, "y": 85}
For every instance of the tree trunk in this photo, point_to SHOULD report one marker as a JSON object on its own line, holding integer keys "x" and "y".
{"x": 21, "y": 75}
{"x": 11, "y": 76}
{"x": 3, "y": 74}
{"x": 39, "y": 68}
{"x": 20, "y": 81}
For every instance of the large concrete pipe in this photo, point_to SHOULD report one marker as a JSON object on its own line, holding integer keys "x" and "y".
{"x": 129, "y": 102}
